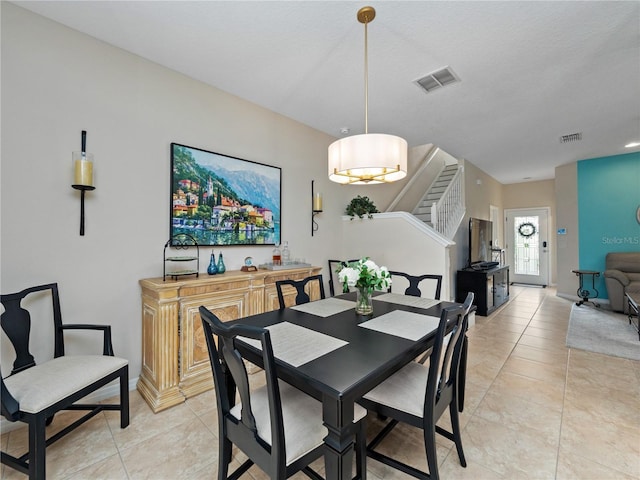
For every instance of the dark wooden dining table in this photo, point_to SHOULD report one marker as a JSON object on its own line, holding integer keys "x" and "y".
{"x": 342, "y": 376}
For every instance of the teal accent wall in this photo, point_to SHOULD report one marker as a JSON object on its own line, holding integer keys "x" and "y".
{"x": 608, "y": 198}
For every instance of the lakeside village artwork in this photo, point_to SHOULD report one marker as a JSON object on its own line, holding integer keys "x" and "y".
{"x": 221, "y": 200}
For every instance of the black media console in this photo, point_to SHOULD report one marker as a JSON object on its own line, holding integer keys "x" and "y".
{"x": 490, "y": 286}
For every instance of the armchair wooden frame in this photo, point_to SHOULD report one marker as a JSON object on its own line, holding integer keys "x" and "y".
{"x": 18, "y": 405}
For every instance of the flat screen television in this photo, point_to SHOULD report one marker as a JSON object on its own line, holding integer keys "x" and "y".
{"x": 480, "y": 241}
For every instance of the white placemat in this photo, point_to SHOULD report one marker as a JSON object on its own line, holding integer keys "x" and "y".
{"x": 403, "y": 324}
{"x": 407, "y": 300}
{"x": 326, "y": 307}
{"x": 297, "y": 345}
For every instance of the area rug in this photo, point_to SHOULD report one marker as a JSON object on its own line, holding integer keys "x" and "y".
{"x": 602, "y": 331}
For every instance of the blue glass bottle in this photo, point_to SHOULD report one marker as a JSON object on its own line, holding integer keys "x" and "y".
{"x": 221, "y": 267}
{"x": 212, "y": 269}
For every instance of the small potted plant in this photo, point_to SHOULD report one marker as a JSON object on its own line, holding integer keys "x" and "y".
{"x": 361, "y": 206}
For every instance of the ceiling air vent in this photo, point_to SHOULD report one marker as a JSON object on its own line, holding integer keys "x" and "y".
{"x": 437, "y": 79}
{"x": 572, "y": 137}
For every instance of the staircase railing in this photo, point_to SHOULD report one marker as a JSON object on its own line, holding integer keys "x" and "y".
{"x": 447, "y": 213}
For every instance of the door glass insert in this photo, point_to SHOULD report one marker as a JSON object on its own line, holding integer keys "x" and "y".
{"x": 526, "y": 237}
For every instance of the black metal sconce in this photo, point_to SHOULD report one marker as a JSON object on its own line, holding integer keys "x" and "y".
{"x": 316, "y": 208}
{"x": 83, "y": 175}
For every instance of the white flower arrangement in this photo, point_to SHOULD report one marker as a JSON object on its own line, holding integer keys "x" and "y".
{"x": 364, "y": 274}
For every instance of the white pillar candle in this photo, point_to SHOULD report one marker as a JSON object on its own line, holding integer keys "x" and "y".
{"x": 317, "y": 202}
{"x": 83, "y": 169}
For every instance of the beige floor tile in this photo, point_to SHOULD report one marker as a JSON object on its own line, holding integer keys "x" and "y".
{"x": 518, "y": 311}
{"x": 176, "y": 453}
{"x": 573, "y": 467}
{"x": 554, "y": 344}
{"x": 145, "y": 424}
{"x": 536, "y": 391}
{"x": 540, "y": 371}
{"x": 505, "y": 325}
{"x": 489, "y": 335}
{"x": 511, "y": 453}
{"x": 520, "y": 414}
{"x": 88, "y": 444}
{"x": 501, "y": 319}
{"x": 451, "y": 469}
{"x": 608, "y": 445}
{"x": 111, "y": 468}
{"x": 202, "y": 403}
{"x": 540, "y": 355}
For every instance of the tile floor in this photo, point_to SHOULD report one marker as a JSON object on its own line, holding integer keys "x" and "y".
{"x": 534, "y": 410}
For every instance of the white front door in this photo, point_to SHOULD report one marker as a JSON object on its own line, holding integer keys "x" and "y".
{"x": 527, "y": 245}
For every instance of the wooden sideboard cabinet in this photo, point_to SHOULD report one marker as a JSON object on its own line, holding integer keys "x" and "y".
{"x": 175, "y": 361}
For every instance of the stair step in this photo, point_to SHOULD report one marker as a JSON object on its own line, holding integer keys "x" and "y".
{"x": 424, "y": 218}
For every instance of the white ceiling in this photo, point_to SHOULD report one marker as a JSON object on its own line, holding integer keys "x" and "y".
{"x": 530, "y": 71}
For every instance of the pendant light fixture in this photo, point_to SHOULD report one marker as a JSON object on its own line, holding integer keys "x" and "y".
{"x": 369, "y": 158}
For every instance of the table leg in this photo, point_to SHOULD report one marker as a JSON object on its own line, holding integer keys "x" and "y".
{"x": 339, "y": 443}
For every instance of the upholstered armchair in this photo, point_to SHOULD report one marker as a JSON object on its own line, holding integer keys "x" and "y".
{"x": 622, "y": 275}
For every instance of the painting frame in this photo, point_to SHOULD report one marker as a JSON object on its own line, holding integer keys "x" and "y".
{"x": 223, "y": 200}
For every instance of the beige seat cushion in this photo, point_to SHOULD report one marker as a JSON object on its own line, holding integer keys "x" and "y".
{"x": 301, "y": 415}
{"x": 39, "y": 387}
{"x": 404, "y": 390}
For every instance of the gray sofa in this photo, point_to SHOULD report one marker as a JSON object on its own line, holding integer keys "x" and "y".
{"x": 622, "y": 275}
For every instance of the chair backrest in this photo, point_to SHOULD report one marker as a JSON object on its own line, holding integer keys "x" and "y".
{"x": 414, "y": 280}
{"x": 444, "y": 361}
{"x": 16, "y": 323}
{"x": 333, "y": 275}
{"x": 226, "y": 358}
{"x": 302, "y": 296}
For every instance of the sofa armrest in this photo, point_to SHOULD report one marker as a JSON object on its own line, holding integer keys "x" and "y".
{"x": 617, "y": 275}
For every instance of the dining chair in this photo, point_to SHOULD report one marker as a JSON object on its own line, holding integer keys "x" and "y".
{"x": 302, "y": 295}
{"x": 33, "y": 394}
{"x": 278, "y": 427}
{"x": 333, "y": 275}
{"x": 415, "y": 280}
{"x": 419, "y": 394}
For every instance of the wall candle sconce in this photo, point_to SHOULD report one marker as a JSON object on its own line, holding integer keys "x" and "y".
{"x": 82, "y": 175}
{"x": 316, "y": 208}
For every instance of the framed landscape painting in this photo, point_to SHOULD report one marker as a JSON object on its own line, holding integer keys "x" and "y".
{"x": 223, "y": 200}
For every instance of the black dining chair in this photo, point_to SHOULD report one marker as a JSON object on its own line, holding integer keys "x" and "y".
{"x": 302, "y": 291}
{"x": 333, "y": 275}
{"x": 419, "y": 394}
{"x": 278, "y": 427}
{"x": 415, "y": 280}
{"x": 33, "y": 394}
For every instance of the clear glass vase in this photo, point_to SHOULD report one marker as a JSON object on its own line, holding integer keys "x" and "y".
{"x": 364, "y": 304}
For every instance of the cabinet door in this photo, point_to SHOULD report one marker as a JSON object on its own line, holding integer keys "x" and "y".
{"x": 195, "y": 370}
{"x": 491, "y": 289}
{"x": 498, "y": 288}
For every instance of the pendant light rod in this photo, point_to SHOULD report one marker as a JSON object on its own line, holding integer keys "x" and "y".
{"x": 366, "y": 15}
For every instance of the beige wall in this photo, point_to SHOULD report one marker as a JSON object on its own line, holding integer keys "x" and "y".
{"x": 566, "y": 189}
{"x": 481, "y": 190}
{"x": 57, "y": 82}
